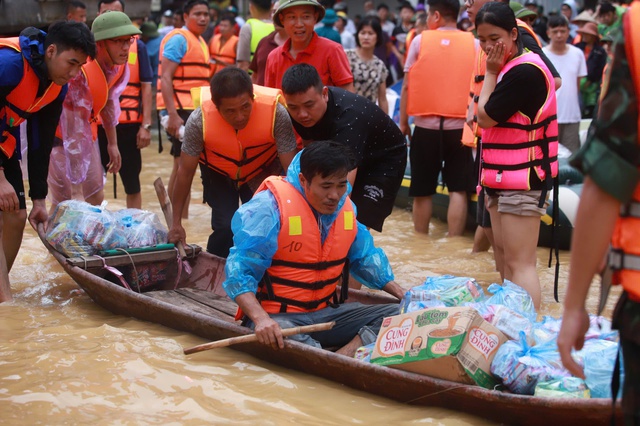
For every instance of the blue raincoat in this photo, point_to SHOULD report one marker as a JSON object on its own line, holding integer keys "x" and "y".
{"x": 255, "y": 228}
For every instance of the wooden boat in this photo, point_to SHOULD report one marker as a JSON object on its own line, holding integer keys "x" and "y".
{"x": 196, "y": 303}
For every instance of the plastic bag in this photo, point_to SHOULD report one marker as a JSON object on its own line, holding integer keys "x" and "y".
{"x": 514, "y": 297}
{"x": 140, "y": 228}
{"x": 599, "y": 357}
{"x": 549, "y": 327}
{"x": 566, "y": 387}
{"x": 77, "y": 228}
{"x": 442, "y": 291}
{"x": 511, "y": 323}
{"x": 521, "y": 367}
{"x": 363, "y": 353}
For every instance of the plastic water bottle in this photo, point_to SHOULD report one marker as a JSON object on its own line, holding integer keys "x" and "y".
{"x": 164, "y": 121}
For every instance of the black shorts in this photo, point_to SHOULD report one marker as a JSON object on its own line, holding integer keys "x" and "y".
{"x": 176, "y": 145}
{"x": 429, "y": 149}
{"x": 131, "y": 159}
{"x": 13, "y": 174}
{"x": 374, "y": 191}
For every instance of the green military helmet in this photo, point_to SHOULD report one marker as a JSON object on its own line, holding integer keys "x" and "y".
{"x": 112, "y": 24}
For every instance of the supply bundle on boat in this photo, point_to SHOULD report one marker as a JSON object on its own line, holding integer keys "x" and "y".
{"x": 77, "y": 228}
{"x": 449, "y": 329}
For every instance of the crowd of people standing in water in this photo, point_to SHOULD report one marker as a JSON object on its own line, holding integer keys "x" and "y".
{"x": 490, "y": 93}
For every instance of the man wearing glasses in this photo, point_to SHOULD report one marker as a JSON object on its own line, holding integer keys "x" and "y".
{"x": 134, "y": 123}
{"x": 75, "y": 170}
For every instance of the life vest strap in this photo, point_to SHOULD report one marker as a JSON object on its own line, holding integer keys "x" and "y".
{"x": 478, "y": 78}
{"x": 317, "y": 266}
{"x": 619, "y": 260}
{"x": 309, "y": 306}
{"x": 630, "y": 209}
{"x": 528, "y": 127}
{"x": 316, "y": 285}
{"x": 193, "y": 64}
{"x": 512, "y": 167}
{"x": 521, "y": 145}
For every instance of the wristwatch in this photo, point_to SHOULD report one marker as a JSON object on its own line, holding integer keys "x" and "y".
{"x": 146, "y": 126}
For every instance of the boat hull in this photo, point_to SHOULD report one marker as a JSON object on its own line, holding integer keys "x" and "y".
{"x": 174, "y": 310}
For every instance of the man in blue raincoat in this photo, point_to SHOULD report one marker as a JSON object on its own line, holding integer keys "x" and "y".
{"x": 294, "y": 242}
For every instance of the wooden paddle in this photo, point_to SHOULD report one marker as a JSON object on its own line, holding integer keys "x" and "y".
{"x": 165, "y": 205}
{"x": 253, "y": 338}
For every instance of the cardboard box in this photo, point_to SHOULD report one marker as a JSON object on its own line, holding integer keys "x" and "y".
{"x": 454, "y": 344}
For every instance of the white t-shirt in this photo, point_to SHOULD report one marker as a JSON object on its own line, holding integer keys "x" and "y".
{"x": 571, "y": 66}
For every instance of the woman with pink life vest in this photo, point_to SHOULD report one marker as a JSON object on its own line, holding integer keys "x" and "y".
{"x": 517, "y": 110}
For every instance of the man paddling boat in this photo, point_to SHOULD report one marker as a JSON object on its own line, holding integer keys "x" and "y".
{"x": 294, "y": 242}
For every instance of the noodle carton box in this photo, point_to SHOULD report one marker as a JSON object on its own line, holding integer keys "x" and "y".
{"x": 454, "y": 344}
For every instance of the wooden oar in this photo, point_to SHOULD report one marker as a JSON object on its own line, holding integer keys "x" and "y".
{"x": 253, "y": 338}
{"x": 165, "y": 205}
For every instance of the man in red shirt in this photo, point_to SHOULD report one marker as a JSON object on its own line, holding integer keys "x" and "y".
{"x": 298, "y": 18}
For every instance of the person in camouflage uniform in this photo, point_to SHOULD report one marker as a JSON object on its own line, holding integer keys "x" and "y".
{"x": 609, "y": 161}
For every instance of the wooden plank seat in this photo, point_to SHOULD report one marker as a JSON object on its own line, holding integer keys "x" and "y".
{"x": 92, "y": 262}
{"x": 201, "y": 301}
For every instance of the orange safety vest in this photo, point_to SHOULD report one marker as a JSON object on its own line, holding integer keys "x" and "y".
{"x": 131, "y": 98}
{"x": 524, "y": 25}
{"x": 624, "y": 257}
{"x": 304, "y": 271}
{"x": 193, "y": 70}
{"x": 511, "y": 149}
{"x": 22, "y": 101}
{"x": 441, "y": 90}
{"x": 470, "y": 135}
{"x": 225, "y": 53}
{"x": 240, "y": 154}
{"x": 410, "y": 36}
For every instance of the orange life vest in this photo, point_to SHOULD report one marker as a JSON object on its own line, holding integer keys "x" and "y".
{"x": 624, "y": 257}
{"x": 410, "y": 36}
{"x": 511, "y": 149}
{"x": 304, "y": 272}
{"x": 441, "y": 90}
{"x": 193, "y": 70}
{"x": 470, "y": 135}
{"x": 239, "y": 154}
{"x": 22, "y": 101}
{"x": 131, "y": 98}
{"x": 225, "y": 53}
{"x": 525, "y": 26}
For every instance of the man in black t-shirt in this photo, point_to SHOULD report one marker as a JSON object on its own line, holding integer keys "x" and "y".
{"x": 329, "y": 113}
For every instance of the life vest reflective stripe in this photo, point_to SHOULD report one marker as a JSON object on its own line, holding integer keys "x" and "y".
{"x": 470, "y": 135}
{"x": 624, "y": 257}
{"x": 131, "y": 98}
{"x": 193, "y": 70}
{"x": 511, "y": 149}
{"x": 22, "y": 101}
{"x": 239, "y": 155}
{"x": 225, "y": 54}
{"x": 304, "y": 272}
{"x": 525, "y": 26}
{"x": 259, "y": 30}
{"x": 436, "y": 90}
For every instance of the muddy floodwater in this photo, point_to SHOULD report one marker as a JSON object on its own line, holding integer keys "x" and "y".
{"x": 65, "y": 360}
